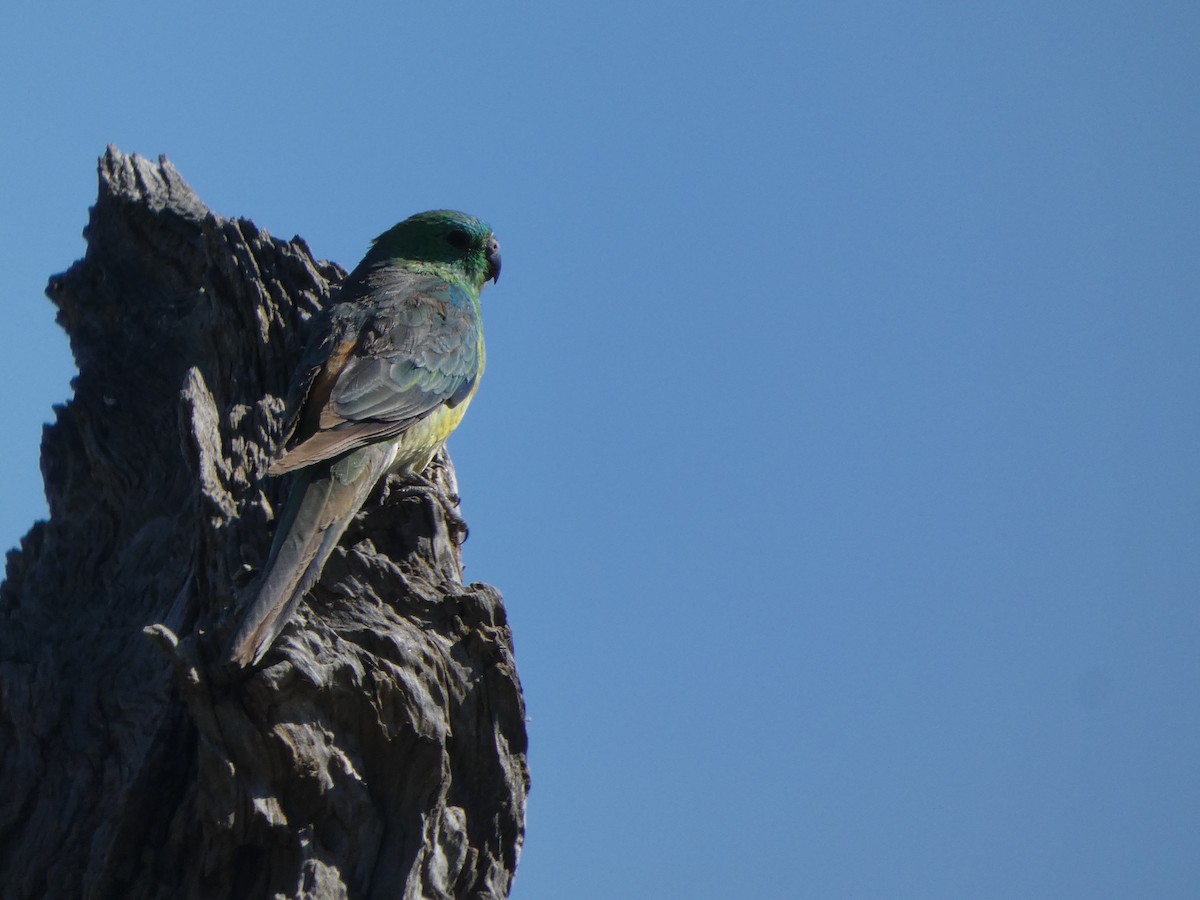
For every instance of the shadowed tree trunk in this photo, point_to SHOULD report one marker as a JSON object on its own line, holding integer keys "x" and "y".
{"x": 377, "y": 751}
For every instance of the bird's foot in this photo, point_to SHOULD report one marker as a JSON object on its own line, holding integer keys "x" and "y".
{"x": 413, "y": 485}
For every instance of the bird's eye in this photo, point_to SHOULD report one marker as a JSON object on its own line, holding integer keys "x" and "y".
{"x": 458, "y": 239}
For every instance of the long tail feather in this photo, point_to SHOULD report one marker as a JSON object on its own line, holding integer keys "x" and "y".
{"x": 323, "y": 500}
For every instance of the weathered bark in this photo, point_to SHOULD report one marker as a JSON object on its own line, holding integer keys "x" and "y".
{"x": 379, "y": 751}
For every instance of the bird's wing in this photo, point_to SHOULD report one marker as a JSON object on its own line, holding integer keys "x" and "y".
{"x": 386, "y": 362}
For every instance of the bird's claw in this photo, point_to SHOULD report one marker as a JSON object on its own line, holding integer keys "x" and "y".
{"x": 412, "y": 484}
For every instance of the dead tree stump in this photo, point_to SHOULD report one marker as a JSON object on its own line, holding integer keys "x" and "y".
{"x": 378, "y": 751}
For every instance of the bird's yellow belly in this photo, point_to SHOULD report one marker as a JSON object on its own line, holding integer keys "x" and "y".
{"x": 417, "y": 445}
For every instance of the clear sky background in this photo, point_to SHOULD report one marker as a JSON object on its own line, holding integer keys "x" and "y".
{"x": 838, "y": 450}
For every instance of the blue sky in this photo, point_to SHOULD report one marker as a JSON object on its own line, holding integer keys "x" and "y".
{"x": 837, "y": 455}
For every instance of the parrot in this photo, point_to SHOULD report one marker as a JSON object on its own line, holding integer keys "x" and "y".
{"x": 387, "y": 373}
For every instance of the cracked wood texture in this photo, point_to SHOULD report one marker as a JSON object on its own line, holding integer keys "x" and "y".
{"x": 377, "y": 751}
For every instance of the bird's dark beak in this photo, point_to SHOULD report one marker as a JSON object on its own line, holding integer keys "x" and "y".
{"x": 493, "y": 260}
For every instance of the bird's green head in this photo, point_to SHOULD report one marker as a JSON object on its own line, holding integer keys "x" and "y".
{"x": 442, "y": 242}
